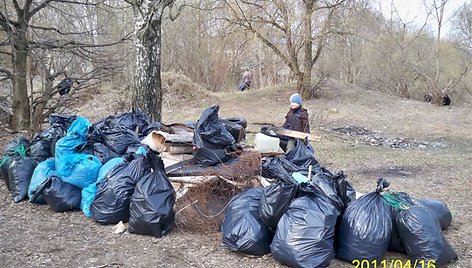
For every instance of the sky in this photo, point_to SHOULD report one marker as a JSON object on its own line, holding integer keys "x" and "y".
{"x": 415, "y": 11}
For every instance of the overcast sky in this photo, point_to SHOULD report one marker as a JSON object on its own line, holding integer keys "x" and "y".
{"x": 415, "y": 10}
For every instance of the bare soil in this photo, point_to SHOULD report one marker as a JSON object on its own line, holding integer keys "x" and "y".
{"x": 34, "y": 236}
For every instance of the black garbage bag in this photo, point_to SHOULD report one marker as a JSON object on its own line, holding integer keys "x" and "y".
{"x": 11, "y": 148}
{"x": 345, "y": 189}
{"x": 19, "y": 175}
{"x": 118, "y": 138}
{"x": 305, "y": 233}
{"x": 279, "y": 168}
{"x": 103, "y": 153}
{"x": 40, "y": 148}
{"x": 242, "y": 229}
{"x": 151, "y": 127}
{"x": 210, "y": 133}
{"x": 205, "y": 157}
{"x": 136, "y": 120}
{"x": 61, "y": 120}
{"x": 422, "y": 236}
{"x": 439, "y": 209}
{"x": 61, "y": 196}
{"x": 400, "y": 199}
{"x": 328, "y": 183}
{"x": 302, "y": 155}
{"x": 275, "y": 201}
{"x": 4, "y": 167}
{"x": 111, "y": 204}
{"x": 237, "y": 131}
{"x": 366, "y": 228}
{"x": 152, "y": 205}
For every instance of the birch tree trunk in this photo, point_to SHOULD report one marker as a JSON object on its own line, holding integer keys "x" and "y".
{"x": 148, "y": 94}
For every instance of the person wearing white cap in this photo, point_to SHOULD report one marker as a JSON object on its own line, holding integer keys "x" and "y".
{"x": 297, "y": 117}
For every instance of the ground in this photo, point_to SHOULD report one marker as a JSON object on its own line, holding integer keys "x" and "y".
{"x": 436, "y": 162}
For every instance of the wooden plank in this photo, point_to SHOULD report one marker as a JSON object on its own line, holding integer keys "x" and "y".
{"x": 193, "y": 179}
{"x": 296, "y": 134}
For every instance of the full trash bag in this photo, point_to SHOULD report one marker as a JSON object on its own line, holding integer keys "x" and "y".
{"x": 305, "y": 233}
{"x": 328, "y": 183}
{"x": 61, "y": 120}
{"x": 118, "y": 138}
{"x": 242, "y": 229}
{"x": 79, "y": 170}
{"x": 366, "y": 227}
{"x": 12, "y": 147}
{"x": 89, "y": 192}
{"x": 12, "y": 150}
{"x": 4, "y": 167}
{"x": 19, "y": 175}
{"x": 40, "y": 149}
{"x": 42, "y": 171}
{"x": 152, "y": 205}
{"x": 302, "y": 155}
{"x": 135, "y": 120}
{"x": 439, "y": 209}
{"x": 397, "y": 200}
{"x": 103, "y": 153}
{"x": 76, "y": 138}
{"x": 61, "y": 196}
{"x": 422, "y": 237}
{"x": 210, "y": 133}
{"x": 275, "y": 200}
{"x": 278, "y": 167}
{"x": 205, "y": 157}
{"x": 111, "y": 204}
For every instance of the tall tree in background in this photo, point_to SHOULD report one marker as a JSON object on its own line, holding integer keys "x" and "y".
{"x": 295, "y": 30}
{"x": 147, "y": 93}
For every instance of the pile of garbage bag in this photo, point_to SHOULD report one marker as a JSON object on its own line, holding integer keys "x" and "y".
{"x": 306, "y": 219}
{"x": 101, "y": 169}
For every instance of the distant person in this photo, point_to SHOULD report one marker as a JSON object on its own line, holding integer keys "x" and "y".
{"x": 297, "y": 117}
{"x": 247, "y": 80}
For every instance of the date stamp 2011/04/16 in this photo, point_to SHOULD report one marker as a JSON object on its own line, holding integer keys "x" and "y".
{"x": 394, "y": 264}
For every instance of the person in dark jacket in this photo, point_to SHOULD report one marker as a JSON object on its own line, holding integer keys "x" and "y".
{"x": 297, "y": 117}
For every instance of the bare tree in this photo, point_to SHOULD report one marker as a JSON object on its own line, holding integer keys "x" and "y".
{"x": 55, "y": 27}
{"x": 296, "y": 31}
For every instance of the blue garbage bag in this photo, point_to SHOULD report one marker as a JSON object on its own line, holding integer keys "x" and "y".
{"x": 42, "y": 171}
{"x": 79, "y": 170}
{"x": 107, "y": 167}
{"x": 76, "y": 137}
{"x": 89, "y": 192}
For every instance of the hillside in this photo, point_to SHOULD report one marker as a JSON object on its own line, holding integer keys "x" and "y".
{"x": 422, "y": 149}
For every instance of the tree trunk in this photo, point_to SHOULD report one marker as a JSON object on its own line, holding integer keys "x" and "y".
{"x": 147, "y": 94}
{"x": 20, "y": 102}
{"x": 38, "y": 110}
{"x": 308, "y": 49}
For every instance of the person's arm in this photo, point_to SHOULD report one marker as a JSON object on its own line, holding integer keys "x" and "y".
{"x": 286, "y": 124}
{"x": 305, "y": 122}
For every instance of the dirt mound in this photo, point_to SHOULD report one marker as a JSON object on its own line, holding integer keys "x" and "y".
{"x": 179, "y": 89}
